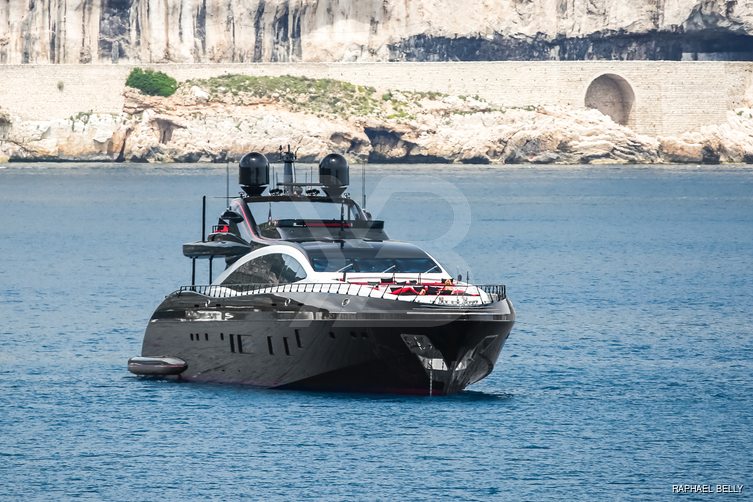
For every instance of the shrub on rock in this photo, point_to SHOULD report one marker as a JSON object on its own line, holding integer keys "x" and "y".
{"x": 153, "y": 83}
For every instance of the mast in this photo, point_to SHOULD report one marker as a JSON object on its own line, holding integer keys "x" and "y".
{"x": 288, "y": 175}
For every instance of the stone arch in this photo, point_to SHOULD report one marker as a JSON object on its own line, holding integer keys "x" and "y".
{"x": 612, "y": 95}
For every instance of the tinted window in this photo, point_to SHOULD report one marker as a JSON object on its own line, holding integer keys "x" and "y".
{"x": 292, "y": 271}
{"x": 268, "y": 269}
{"x": 375, "y": 265}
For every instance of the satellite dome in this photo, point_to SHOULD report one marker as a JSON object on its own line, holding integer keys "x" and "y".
{"x": 334, "y": 174}
{"x": 253, "y": 173}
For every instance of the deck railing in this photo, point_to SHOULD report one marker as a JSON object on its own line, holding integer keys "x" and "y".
{"x": 440, "y": 294}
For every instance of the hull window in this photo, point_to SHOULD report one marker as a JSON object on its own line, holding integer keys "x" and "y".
{"x": 245, "y": 344}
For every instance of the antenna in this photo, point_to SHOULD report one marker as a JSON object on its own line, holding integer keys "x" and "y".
{"x": 342, "y": 215}
{"x": 227, "y": 182}
{"x": 288, "y": 176}
{"x": 363, "y": 185}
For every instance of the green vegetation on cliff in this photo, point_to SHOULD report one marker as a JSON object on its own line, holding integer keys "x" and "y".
{"x": 318, "y": 96}
{"x": 153, "y": 83}
{"x": 323, "y": 97}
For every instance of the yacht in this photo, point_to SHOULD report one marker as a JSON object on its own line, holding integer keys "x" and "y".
{"x": 314, "y": 295}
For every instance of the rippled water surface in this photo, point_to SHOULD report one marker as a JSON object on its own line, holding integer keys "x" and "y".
{"x": 630, "y": 368}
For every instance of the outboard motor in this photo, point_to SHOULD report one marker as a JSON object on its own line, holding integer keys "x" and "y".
{"x": 334, "y": 174}
{"x": 253, "y": 173}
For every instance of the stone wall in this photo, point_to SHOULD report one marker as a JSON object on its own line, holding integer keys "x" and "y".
{"x": 664, "y": 97}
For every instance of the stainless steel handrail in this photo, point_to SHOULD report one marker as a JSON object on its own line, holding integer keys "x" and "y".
{"x": 496, "y": 292}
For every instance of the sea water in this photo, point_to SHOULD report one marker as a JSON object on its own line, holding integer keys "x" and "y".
{"x": 629, "y": 371}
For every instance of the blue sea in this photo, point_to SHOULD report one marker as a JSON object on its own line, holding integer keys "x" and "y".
{"x": 630, "y": 368}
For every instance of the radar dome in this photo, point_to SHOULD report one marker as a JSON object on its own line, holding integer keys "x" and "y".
{"x": 253, "y": 173}
{"x": 334, "y": 174}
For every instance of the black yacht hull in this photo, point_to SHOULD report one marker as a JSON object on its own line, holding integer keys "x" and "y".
{"x": 329, "y": 342}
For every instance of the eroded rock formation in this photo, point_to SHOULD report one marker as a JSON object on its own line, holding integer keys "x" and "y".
{"x": 147, "y": 31}
{"x": 220, "y": 119}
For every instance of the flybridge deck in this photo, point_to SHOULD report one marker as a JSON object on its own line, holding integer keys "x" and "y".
{"x": 224, "y": 240}
{"x": 290, "y": 212}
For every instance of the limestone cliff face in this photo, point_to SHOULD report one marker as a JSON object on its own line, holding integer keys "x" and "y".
{"x": 151, "y": 31}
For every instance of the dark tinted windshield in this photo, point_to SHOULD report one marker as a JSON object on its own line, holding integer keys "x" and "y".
{"x": 370, "y": 257}
{"x": 267, "y": 269}
{"x": 375, "y": 265}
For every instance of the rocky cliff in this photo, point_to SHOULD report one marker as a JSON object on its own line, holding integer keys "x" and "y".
{"x": 150, "y": 31}
{"x": 221, "y": 118}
